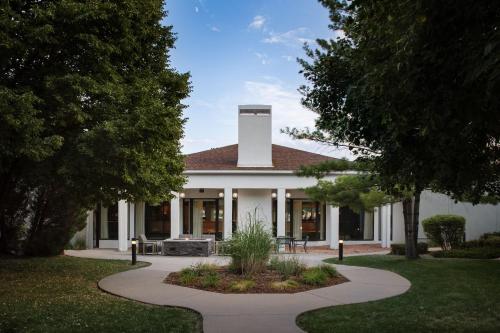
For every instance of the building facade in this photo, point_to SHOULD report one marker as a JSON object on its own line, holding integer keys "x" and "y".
{"x": 226, "y": 185}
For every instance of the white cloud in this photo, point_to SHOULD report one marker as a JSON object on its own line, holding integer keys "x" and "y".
{"x": 196, "y": 9}
{"x": 287, "y": 57}
{"x": 214, "y": 28}
{"x": 295, "y": 37}
{"x": 257, "y": 22}
{"x": 263, "y": 58}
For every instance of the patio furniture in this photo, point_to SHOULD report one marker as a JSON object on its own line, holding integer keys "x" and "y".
{"x": 286, "y": 241}
{"x": 302, "y": 242}
{"x": 144, "y": 244}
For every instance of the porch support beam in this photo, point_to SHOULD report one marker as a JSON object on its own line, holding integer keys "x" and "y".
{"x": 228, "y": 213}
{"x": 132, "y": 220}
{"x": 175, "y": 220}
{"x": 281, "y": 212}
{"x": 122, "y": 225}
{"x": 332, "y": 217}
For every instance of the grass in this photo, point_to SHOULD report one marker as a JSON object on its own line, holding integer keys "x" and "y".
{"x": 60, "y": 294}
{"x": 242, "y": 285}
{"x": 447, "y": 295}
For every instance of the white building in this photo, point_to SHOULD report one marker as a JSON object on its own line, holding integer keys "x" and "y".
{"x": 225, "y": 184}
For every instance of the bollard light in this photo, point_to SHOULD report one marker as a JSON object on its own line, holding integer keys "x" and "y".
{"x": 341, "y": 249}
{"x": 134, "y": 251}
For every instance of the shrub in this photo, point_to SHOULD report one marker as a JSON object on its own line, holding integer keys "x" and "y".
{"x": 284, "y": 285}
{"x": 188, "y": 276}
{"x": 242, "y": 285}
{"x": 202, "y": 269}
{"x": 250, "y": 247}
{"x": 329, "y": 270}
{"x": 210, "y": 280}
{"x": 287, "y": 267}
{"x": 471, "y": 253}
{"x": 80, "y": 244}
{"x": 491, "y": 241}
{"x": 446, "y": 230}
{"x": 315, "y": 276}
{"x": 490, "y": 234}
{"x": 400, "y": 249}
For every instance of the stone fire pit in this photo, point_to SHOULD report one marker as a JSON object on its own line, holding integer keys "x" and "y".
{"x": 193, "y": 247}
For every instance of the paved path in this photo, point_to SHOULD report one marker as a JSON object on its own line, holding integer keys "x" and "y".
{"x": 243, "y": 312}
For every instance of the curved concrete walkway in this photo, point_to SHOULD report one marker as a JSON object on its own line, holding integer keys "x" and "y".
{"x": 243, "y": 312}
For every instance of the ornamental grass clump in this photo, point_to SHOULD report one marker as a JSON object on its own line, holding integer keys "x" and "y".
{"x": 250, "y": 247}
{"x": 315, "y": 276}
{"x": 287, "y": 267}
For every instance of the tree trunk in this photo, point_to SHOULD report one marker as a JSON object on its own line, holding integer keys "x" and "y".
{"x": 411, "y": 210}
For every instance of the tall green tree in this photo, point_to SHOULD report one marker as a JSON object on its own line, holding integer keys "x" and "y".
{"x": 90, "y": 112}
{"x": 414, "y": 86}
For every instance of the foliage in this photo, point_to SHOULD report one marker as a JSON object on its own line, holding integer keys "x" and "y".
{"x": 470, "y": 253}
{"x": 315, "y": 276}
{"x": 329, "y": 270}
{"x": 204, "y": 268}
{"x": 90, "y": 112}
{"x": 445, "y": 230}
{"x": 78, "y": 244}
{"x": 250, "y": 246}
{"x": 397, "y": 83}
{"x": 400, "y": 249}
{"x": 188, "y": 276}
{"x": 60, "y": 294}
{"x": 284, "y": 285}
{"x": 242, "y": 285}
{"x": 445, "y": 296}
{"x": 287, "y": 267}
{"x": 491, "y": 241}
{"x": 210, "y": 280}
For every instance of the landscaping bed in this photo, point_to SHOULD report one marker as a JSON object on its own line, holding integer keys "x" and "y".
{"x": 291, "y": 279}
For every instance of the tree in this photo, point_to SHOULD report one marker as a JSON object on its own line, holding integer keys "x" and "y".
{"x": 412, "y": 86}
{"x": 90, "y": 112}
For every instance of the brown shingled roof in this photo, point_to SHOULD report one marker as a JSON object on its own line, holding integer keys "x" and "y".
{"x": 226, "y": 158}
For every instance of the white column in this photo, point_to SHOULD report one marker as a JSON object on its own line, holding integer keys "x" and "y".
{"x": 89, "y": 235}
{"x": 388, "y": 228}
{"x": 332, "y": 218}
{"x": 175, "y": 220}
{"x": 228, "y": 213}
{"x": 385, "y": 216}
{"x": 375, "y": 224}
{"x": 132, "y": 220}
{"x": 122, "y": 225}
{"x": 281, "y": 212}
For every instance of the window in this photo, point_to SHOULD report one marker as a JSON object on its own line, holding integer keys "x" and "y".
{"x": 204, "y": 216}
{"x": 157, "y": 220}
{"x": 302, "y": 218}
{"x": 355, "y": 226}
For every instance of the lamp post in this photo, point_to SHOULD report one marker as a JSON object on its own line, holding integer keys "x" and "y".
{"x": 134, "y": 251}
{"x": 341, "y": 249}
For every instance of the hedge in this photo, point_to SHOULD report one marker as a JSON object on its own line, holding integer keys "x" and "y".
{"x": 400, "y": 249}
{"x": 472, "y": 253}
{"x": 445, "y": 230}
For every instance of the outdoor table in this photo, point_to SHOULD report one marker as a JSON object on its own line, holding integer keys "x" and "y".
{"x": 286, "y": 240}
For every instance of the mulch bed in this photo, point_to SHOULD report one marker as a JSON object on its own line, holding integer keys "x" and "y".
{"x": 262, "y": 282}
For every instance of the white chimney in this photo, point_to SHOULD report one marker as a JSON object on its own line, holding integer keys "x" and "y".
{"x": 254, "y": 136}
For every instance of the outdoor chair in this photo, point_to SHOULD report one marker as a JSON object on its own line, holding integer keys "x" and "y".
{"x": 303, "y": 242}
{"x": 144, "y": 244}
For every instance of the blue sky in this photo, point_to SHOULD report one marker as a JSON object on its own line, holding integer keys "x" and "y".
{"x": 244, "y": 52}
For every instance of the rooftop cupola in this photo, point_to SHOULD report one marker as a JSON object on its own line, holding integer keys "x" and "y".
{"x": 254, "y": 136}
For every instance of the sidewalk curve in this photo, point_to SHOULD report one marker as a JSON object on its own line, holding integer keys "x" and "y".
{"x": 243, "y": 313}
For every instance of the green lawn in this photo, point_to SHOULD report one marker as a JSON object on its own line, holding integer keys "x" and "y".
{"x": 60, "y": 294}
{"x": 447, "y": 295}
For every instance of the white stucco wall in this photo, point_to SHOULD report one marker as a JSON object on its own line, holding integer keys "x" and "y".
{"x": 251, "y": 199}
{"x": 254, "y": 136}
{"x": 479, "y": 218}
